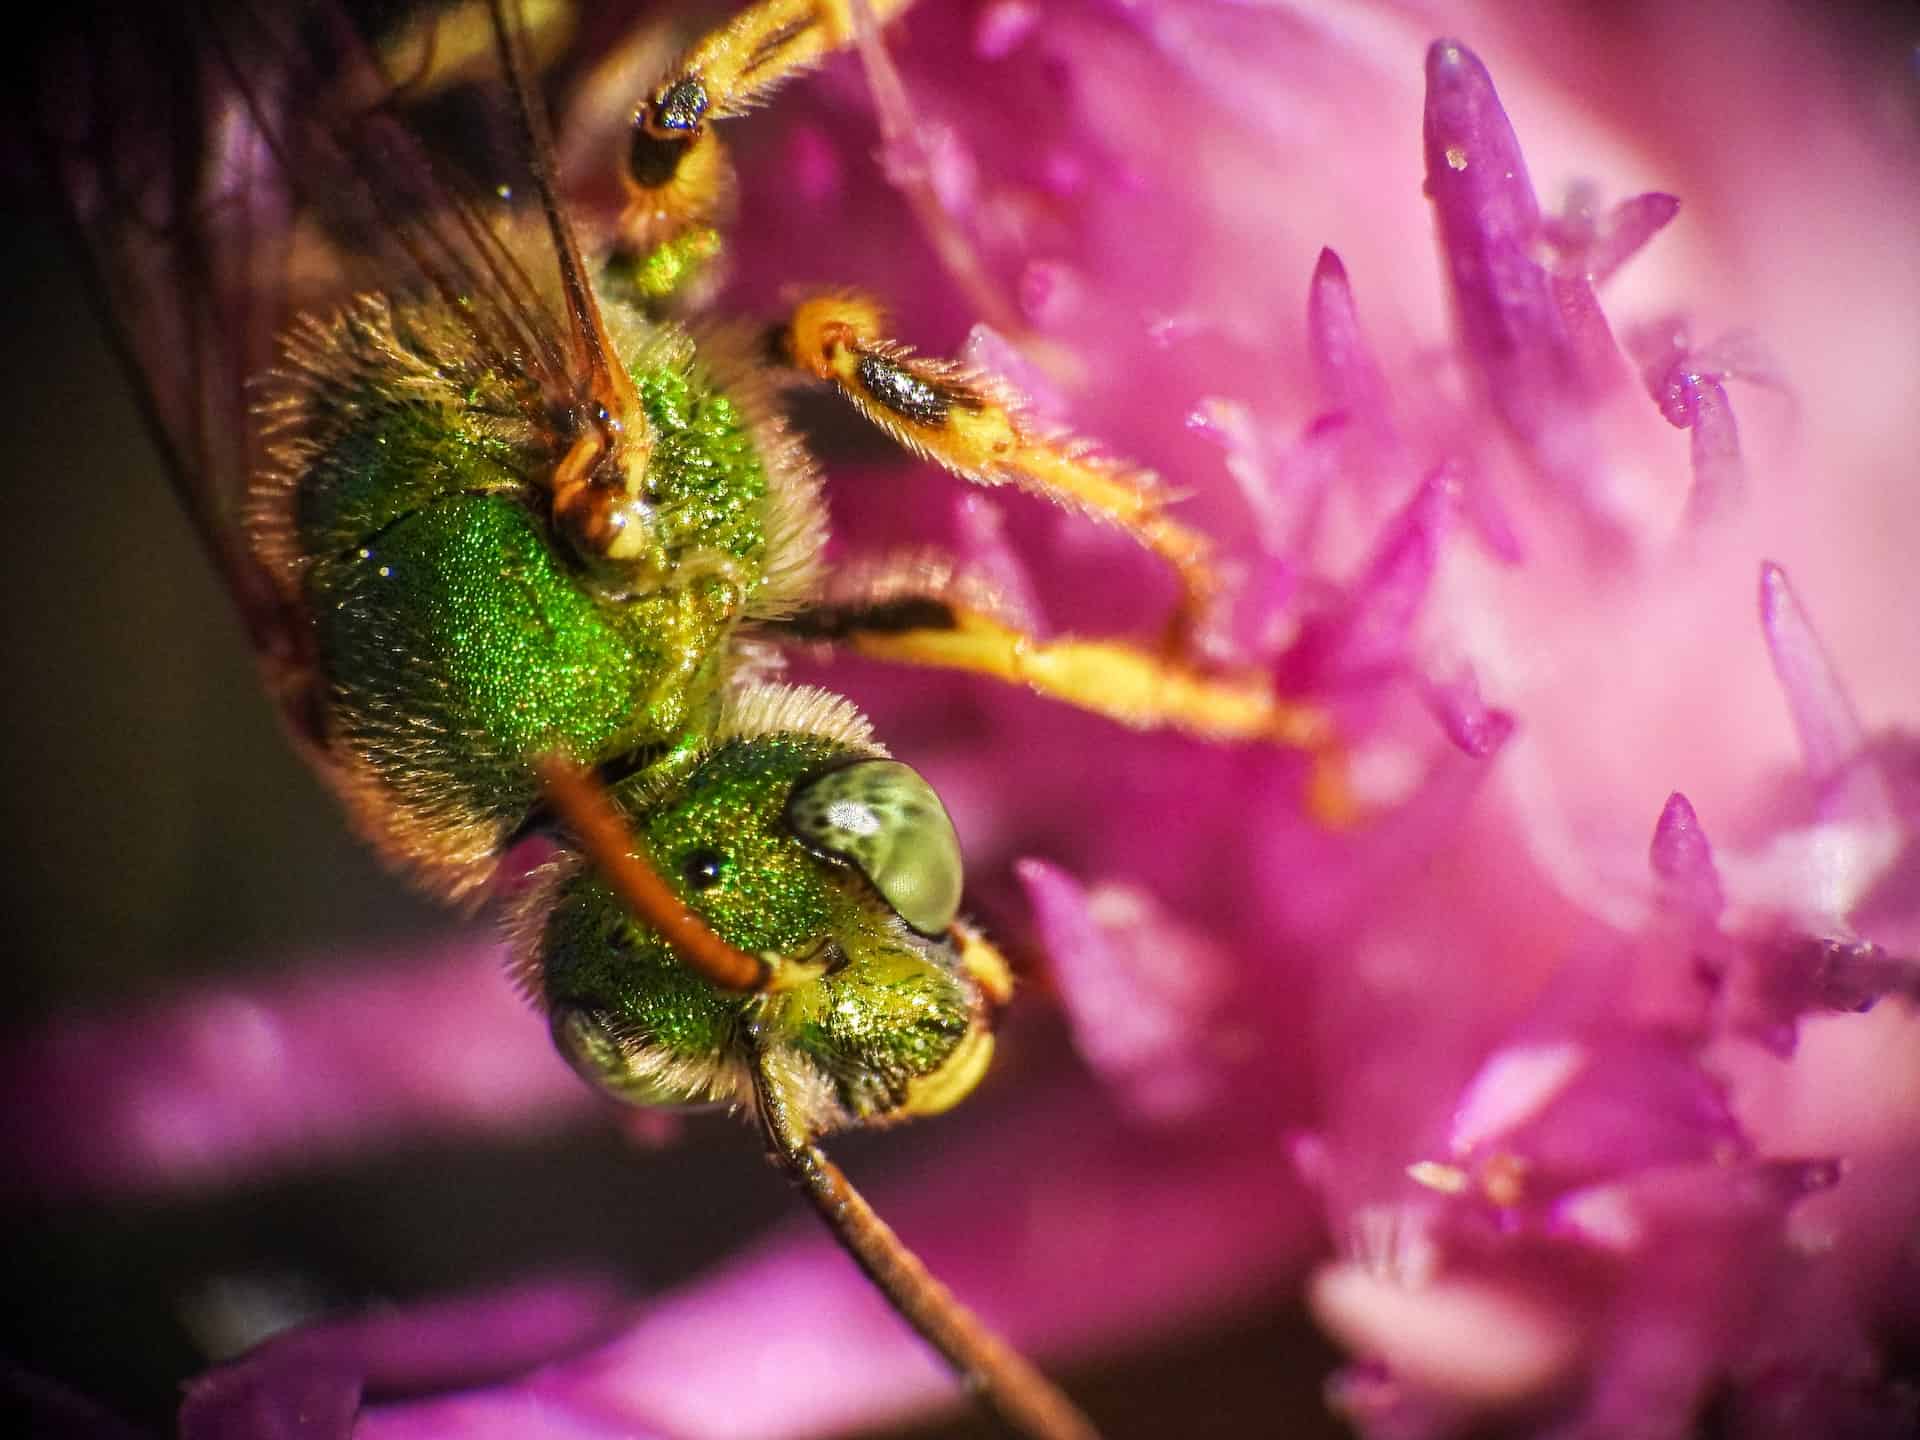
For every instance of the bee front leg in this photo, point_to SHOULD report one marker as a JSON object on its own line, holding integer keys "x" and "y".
{"x": 679, "y": 183}
{"x": 973, "y": 425}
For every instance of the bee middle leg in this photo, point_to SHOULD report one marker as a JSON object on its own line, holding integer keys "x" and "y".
{"x": 1139, "y": 687}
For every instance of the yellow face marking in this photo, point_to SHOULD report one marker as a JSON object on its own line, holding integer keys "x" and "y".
{"x": 981, "y": 959}
{"x": 954, "y": 1078}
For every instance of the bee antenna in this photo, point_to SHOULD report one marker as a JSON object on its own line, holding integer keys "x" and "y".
{"x": 580, "y": 800}
{"x": 989, "y": 1367}
{"x": 610, "y": 387}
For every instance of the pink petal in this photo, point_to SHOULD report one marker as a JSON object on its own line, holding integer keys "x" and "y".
{"x": 319, "y": 1380}
{"x": 1070, "y": 1231}
{"x": 1485, "y": 1345}
{"x": 1144, "y": 994}
{"x": 1511, "y": 1088}
{"x": 245, "y": 1079}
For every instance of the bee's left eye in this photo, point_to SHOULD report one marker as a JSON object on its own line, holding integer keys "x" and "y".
{"x": 881, "y": 817}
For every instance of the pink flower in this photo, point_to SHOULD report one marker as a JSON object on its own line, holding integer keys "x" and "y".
{"x": 1577, "y": 1088}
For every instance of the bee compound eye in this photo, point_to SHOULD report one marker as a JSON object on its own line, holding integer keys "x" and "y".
{"x": 588, "y": 1044}
{"x": 881, "y": 817}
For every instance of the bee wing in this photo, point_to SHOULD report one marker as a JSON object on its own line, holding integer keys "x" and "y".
{"x": 227, "y": 166}
{"x": 142, "y": 143}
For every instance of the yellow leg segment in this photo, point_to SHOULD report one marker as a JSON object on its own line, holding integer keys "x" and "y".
{"x": 740, "y": 63}
{"x": 982, "y": 960}
{"x": 972, "y": 426}
{"x": 1123, "y": 682}
{"x": 677, "y": 176}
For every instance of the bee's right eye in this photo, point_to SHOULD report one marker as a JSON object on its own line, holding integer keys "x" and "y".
{"x": 881, "y": 817}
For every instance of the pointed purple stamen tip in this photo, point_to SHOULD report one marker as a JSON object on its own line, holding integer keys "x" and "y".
{"x": 1682, "y": 861}
{"x": 1472, "y": 724}
{"x": 1539, "y": 339}
{"x": 1003, "y": 27}
{"x": 1410, "y": 545}
{"x": 980, "y": 545}
{"x": 1644, "y": 214}
{"x": 1678, "y": 395}
{"x": 1625, "y": 231}
{"x": 1649, "y": 213}
{"x": 1479, "y": 732}
{"x": 1073, "y": 941}
{"x": 1475, "y": 172}
{"x": 1331, "y": 321}
{"x": 1452, "y": 66}
{"x": 1688, "y": 389}
{"x": 1823, "y": 715}
{"x": 1367, "y": 637}
{"x": 1719, "y": 472}
{"x": 1774, "y": 590}
{"x": 1349, "y": 378}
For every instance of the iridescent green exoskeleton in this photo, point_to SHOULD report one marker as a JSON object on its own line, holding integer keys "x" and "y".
{"x": 460, "y": 631}
{"x": 789, "y": 833}
{"x": 463, "y": 628}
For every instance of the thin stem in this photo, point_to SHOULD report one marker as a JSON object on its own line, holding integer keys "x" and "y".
{"x": 994, "y": 1371}
{"x": 578, "y": 798}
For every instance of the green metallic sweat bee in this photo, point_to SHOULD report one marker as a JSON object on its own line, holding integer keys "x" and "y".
{"x": 521, "y": 537}
{"x": 458, "y": 640}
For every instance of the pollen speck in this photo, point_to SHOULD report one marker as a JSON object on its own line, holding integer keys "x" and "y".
{"x": 1447, "y": 1179}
